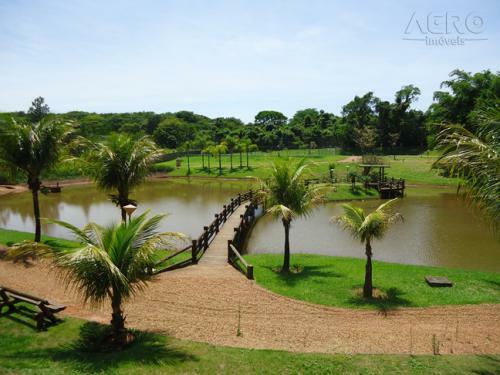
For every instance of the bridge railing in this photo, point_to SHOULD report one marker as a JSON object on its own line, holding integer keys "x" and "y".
{"x": 199, "y": 245}
{"x": 235, "y": 246}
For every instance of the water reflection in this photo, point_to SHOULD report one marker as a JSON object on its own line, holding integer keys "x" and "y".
{"x": 190, "y": 205}
{"x": 437, "y": 231}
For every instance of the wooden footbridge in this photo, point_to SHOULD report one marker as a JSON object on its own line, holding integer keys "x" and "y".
{"x": 220, "y": 242}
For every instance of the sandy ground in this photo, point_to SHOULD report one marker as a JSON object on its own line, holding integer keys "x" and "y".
{"x": 351, "y": 159}
{"x": 204, "y": 303}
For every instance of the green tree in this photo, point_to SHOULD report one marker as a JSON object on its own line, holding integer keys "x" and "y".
{"x": 270, "y": 120}
{"x": 218, "y": 150}
{"x": 474, "y": 157}
{"x": 365, "y": 228}
{"x": 110, "y": 263}
{"x": 32, "y": 149}
{"x": 38, "y": 110}
{"x": 285, "y": 195}
{"x": 120, "y": 164}
{"x": 232, "y": 146}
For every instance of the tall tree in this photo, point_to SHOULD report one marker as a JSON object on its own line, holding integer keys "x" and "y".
{"x": 38, "y": 110}
{"x": 365, "y": 228}
{"x": 286, "y": 196}
{"x": 120, "y": 164}
{"x": 32, "y": 149}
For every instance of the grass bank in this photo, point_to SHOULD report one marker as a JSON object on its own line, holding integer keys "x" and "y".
{"x": 62, "y": 350}
{"x": 336, "y": 281}
{"x": 413, "y": 168}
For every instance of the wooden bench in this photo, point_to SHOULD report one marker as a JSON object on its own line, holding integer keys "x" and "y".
{"x": 9, "y": 298}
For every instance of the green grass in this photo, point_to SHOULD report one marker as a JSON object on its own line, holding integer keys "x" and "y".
{"x": 335, "y": 281}
{"x": 8, "y": 237}
{"x": 413, "y": 168}
{"x": 62, "y": 350}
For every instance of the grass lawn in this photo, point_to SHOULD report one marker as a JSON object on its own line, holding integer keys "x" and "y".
{"x": 336, "y": 281}
{"x": 8, "y": 237}
{"x": 62, "y": 350}
{"x": 413, "y": 168}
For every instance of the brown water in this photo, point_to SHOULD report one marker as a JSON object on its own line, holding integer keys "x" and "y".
{"x": 189, "y": 205}
{"x": 437, "y": 230}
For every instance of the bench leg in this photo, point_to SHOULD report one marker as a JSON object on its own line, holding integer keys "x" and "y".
{"x": 40, "y": 321}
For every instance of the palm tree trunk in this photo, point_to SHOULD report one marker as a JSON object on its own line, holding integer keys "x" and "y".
{"x": 36, "y": 211}
{"x": 368, "y": 287}
{"x": 248, "y": 166}
{"x": 241, "y": 159}
{"x": 208, "y": 159}
{"x": 286, "y": 257}
{"x": 118, "y": 320}
{"x": 202, "y": 160}
{"x": 189, "y": 167}
{"x": 220, "y": 164}
{"x": 231, "y": 158}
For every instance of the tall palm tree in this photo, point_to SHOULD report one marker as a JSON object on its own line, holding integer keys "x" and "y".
{"x": 286, "y": 196}
{"x": 109, "y": 263}
{"x": 32, "y": 149}
{"x": 218, "y": 150}
{"x": 475, "y": 158}
{"x": 121, "y": 163}
{"x": 366, "y": 228}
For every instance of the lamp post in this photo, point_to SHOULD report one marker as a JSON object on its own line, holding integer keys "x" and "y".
{"x": 129, "y": 209}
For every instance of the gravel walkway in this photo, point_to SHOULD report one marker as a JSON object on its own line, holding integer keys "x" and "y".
{"x": 205, "y": 302}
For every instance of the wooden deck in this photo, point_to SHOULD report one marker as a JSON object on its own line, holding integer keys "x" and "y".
{"x": 216, "y": 254}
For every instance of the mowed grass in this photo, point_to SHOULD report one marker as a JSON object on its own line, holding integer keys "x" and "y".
{"x": 337, "y": 281}
{"x": 9, "y": 237}
{"x": 412, "y": 168}
{"x": 62, "y": 350}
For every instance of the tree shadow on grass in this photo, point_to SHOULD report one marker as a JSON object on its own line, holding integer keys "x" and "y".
{"x": 492, "y": 364}
{"x": 494, "y": 283}
{"x": 299, "y": 273}
{"x": 384, "y": 301}
{"x": 90, "y": 354}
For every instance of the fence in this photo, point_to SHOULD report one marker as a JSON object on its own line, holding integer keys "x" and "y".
{"x": 199, "y": 245}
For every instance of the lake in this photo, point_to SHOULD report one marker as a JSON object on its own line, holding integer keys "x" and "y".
{"x": 438, "y": 230}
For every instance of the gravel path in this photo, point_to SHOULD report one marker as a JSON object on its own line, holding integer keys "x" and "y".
{"x": 205, "y": 302}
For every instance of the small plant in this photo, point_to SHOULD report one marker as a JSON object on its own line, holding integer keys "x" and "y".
{"x": 238, "y": 329}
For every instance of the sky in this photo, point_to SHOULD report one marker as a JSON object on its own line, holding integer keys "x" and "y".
{"x": 235, "y": 58}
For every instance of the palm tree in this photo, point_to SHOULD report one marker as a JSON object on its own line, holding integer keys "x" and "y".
{"x": 121, "y": 163}
{"x": 32, "y": 149}
{"x": 231, "y": 145}
{"x": 286, "y": 196}
{"x": 218, "y": 150}
{"x": 366, "y": 228}
{"x": 474, "y": 157}
{"x": 109, "y": 263}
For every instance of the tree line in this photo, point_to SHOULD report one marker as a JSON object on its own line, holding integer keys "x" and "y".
{"x": 367, "y": 123}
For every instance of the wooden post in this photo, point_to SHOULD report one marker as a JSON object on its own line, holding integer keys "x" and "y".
{"x": 194, "y": 252}
{"x": 250, "y": 272}
{"x": 216, "y": 223}
{"x": 239, "y": 199}
{"x": 205, "y": 239}
{"x": 224, "y": 212}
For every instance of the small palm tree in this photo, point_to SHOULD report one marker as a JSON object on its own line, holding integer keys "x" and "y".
{"x": 109, "y": 263}
{"x": 286, "y": 196}
{"x": 366, "y": 228}
{"x": 121, "y": 164}
{"x": 32, "y": 149}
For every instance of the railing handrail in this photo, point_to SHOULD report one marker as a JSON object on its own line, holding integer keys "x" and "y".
{"x": 201, "y": 243}
{"x": 249, "y": 267}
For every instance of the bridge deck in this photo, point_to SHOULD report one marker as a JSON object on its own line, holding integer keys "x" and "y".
{"x": 216, "y": 254}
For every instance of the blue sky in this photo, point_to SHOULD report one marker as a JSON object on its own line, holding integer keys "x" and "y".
{"x": 228, "y": 58}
